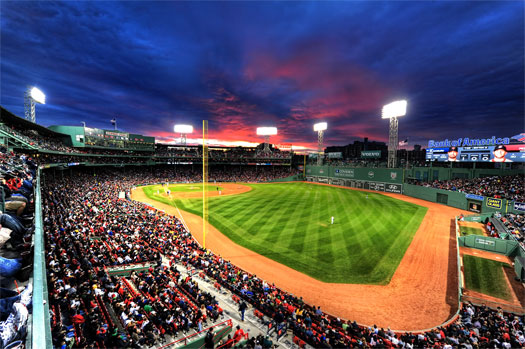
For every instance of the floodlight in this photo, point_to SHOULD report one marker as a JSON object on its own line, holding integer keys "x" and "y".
{"x": 32, "y": 95}
{"x": 394, "y": 109}
{"x": 183, "y": 128}
{"x": 38, "y": 96}
{"x": 321, "y": 126}
{"x": 266, "y": 131}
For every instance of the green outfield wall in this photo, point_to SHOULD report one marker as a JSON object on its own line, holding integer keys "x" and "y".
{"x": 391, "y": 180}
{"x": 460, "y": 200}
{"x": 289, "y": 179}
{"x": 486, "y": 243}
{"x": 477, "y": 218}
{"x": 382, "y": 175}
{"x": 419, "y": 173}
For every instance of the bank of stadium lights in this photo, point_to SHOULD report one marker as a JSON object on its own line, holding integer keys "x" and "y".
{"x": 320, "y": 127}
{"x": 183, "y": 130}
{"x": 393, "y": 111}
{"x": 266, "y": 132}
{"x": 32, "y": 96}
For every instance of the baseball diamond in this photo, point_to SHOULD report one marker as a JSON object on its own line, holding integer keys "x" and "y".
{"x": 262, "y": 174}
{"x": 290, "y": 223}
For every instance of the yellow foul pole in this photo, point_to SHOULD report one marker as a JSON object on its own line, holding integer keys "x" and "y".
{"x": 304, "y": 168}
{"x": 204, "y": 180}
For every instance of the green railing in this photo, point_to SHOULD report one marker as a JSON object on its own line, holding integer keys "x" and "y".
{"x": 16, "y": 138}
{"x": 41, "y": 326}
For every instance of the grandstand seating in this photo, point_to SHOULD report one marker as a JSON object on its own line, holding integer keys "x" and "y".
{"x": 78, "y": 257}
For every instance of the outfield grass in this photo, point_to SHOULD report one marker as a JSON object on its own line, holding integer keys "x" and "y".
{"x": 470, "y": 231}
{"x": 290, "y": 223}
{"x": 486, "y": 276}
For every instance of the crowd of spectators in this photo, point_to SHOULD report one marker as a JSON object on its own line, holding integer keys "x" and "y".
{"x": 89, "y": 229}
{"x": 371, "y": 163}
{"x": 504, "y": 187}
{"x": 161, "y": 151}
{"x": 45, "y": 158}
{"x": 16, "y": 229}
{"x": 84, "y": 208}
{"x": 235, "y": 154}
{"x": 33, "y": 138}
{"x": 515, "y": 224}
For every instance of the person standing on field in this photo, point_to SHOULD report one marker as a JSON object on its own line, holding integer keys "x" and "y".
{"x": 332, "y": 219}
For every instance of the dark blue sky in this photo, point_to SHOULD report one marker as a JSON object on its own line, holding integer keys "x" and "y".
{"x": 241, "y": 65}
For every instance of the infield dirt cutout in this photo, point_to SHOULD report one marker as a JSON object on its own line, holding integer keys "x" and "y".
{"x": 423, "y": 292}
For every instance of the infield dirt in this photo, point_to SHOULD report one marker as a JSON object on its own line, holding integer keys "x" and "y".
{"x": 423, "y": 292}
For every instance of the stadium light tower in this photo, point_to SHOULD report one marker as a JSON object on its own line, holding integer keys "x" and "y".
{"x": 393, "y": 111}
{"x": 320, "y": 128}
{"x": 31, "y": 96}
{"x": 266, "y": 132}
{"x": 183, "y": 130}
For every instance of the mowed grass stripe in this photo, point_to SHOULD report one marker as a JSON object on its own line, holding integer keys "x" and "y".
{"x": 299, "y": 234}
{"x": 287, "y": 223}
{"x": 290, "y": 223}
{"x": 486, "y": 276}
{"x": 470, "y": 231}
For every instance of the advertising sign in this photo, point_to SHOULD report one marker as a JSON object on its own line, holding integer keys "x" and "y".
{"x": 335, "y": 155}
{"x": 284, "y": 146}
{"x": 485, "y": 242}
{"x": 377, "y": 186}
{"x": 348, "y": 173}
{"x": 519, "y": 206}
{"x": 508, "y": 149}
{"x": 494, "y": 203}
{"x": 370, "y": 154}
{"x": 474, "y": 197}
{"x": 393, "y": 188}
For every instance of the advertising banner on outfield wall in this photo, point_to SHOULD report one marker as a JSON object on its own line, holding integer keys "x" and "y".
{"x": 344, "y": 172}
{"x": 394, "y": 188}
{"x": 474, "y": 197}
{"x": 494, "y": 203}
{"x": 376, "y": 186}
{"x": 519, "y": 206}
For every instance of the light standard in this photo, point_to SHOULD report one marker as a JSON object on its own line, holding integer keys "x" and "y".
{"x": 31, "y": 96}
{"x": 320, "y": 128}
{"x": 266, "y": 132}
{"x": 183, "y": 130}
{"x": 392, "y": 111}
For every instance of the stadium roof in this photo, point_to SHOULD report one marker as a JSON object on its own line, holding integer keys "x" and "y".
{"x": 7, "y": 117}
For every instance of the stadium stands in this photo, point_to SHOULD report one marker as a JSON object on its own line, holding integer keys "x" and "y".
{"x": 515, "y": 224}
{"x": 178, "y": 299}
{"x": 113, "y": 264}
{"x": 504, "y": 187}
{"x": 16, "y": 264}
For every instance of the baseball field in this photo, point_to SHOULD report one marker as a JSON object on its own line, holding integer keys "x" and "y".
{"x": 291, "y": 224}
